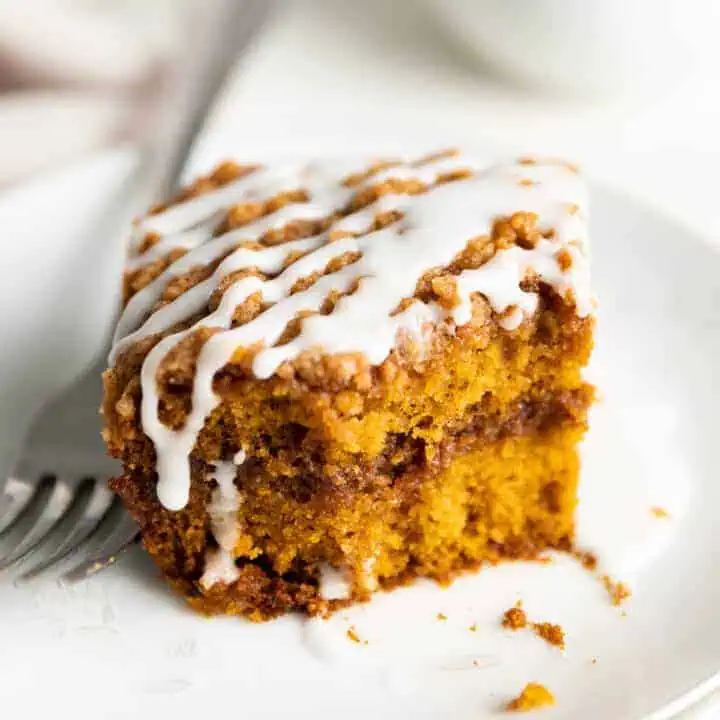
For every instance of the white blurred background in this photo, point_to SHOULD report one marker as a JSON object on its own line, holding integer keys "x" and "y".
{"x": 625, "y": 87}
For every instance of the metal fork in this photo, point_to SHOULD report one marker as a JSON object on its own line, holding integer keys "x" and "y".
{"x": 57, "y": 515}
{"x": 57, "y": 507}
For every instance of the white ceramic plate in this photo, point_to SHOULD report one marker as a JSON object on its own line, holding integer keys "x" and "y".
{"x": 122, "y": 646}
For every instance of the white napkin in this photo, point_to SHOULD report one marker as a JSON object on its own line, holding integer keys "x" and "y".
{"x": 74, "y": 77}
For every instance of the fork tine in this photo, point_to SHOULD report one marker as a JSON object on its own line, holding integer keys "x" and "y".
{"x": 89, "y": 546}
{"x": 120, "y": 540}
{"x": 46, "y": 507}
{"x": 91, "y": 501}
{"x": 100, "y": 537}
{"x": 125, "y": 530}
{"x": 80, "y": 537}
{"x": 14, "y": 497}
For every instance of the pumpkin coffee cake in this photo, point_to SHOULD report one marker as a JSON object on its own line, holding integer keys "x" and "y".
{"x": 332, "y": 378}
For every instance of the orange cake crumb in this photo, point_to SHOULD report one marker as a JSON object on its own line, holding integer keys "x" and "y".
{"x": 551, "y": 633}
{"x": 619, "y": 592}
{"x": 533, "y": 696}
{"x": 514, "y": 619}
{"x": 616, "y": 590}
{"x": 589, "y": 560}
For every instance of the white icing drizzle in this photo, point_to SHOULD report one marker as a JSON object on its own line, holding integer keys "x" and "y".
{"x": 192, "y": 222}
{"x": 436, "y": 226}
{"x": 334, "y": 583}
{"x": 269, "y": 260}
{"x": 223, "y": 507}
{"x": 263, "y": 183}
{"x": 367, "y": 577}
{"x": 181, "y": 241}
{"x": 219, "y": 568}
{"x": 499, "y": 280}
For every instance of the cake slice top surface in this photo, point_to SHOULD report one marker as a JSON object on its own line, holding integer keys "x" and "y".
{"x": 303, "y": 257}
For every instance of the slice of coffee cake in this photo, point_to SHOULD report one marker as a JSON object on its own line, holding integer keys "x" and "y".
{"x": 329, "y": 381}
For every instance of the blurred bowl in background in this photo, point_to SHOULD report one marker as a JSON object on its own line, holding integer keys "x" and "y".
{"x": 78, "y": 75}
{"x": 82, "y": 44}
{"x": 588, "y": 48}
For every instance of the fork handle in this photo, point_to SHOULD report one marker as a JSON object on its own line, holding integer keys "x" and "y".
{"x": 214, "y": 33}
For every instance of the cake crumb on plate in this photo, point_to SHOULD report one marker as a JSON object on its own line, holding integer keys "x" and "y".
{"x": 533, "y": 696}
{"x": 619, "y": 592}
{"x": 515, "y": 618}
{"x": 352, "y": 635}
{"x": 551, "y": 633}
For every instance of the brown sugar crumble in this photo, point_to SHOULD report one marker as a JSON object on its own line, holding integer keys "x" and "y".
{"x": 619, "y": 592}
{"x": 588, "y": 560}
{"x": 551, "y": 633}
{"x": 516, "y": 618}
{"x": 533, "y": 696}
{"x": 564, "y": 259}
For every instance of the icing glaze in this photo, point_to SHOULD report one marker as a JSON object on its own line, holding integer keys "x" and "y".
{"x": 219, "y": 568}
{"x": 224, "y": 503}
{"x": 334, "y": 584}
{"x": 434, "y": 227}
